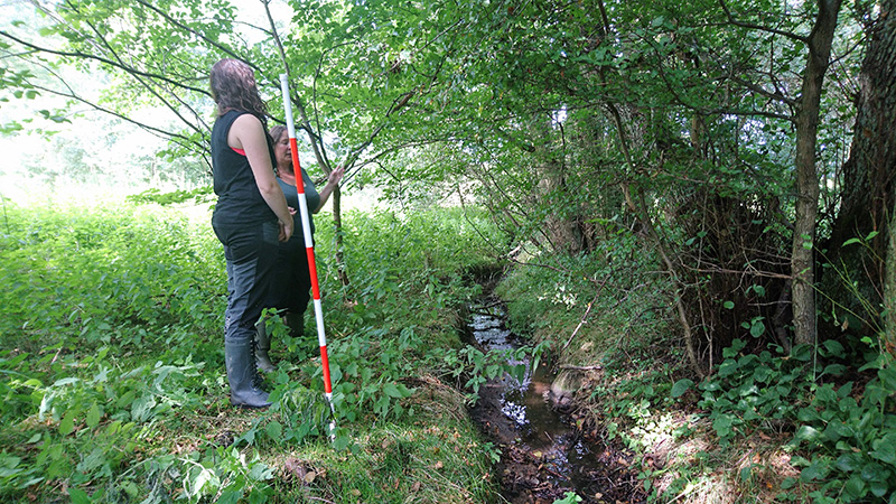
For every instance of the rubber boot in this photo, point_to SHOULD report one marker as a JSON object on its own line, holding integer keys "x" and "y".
{"x": 296, "y": 324}
{"x": 262, "y": 346}
{"x": 242, "y": 375}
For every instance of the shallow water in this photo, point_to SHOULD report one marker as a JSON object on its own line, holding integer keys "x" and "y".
{"x": 543, "y": 454}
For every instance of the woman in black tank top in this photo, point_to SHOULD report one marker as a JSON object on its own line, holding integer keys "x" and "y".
{"x": 250, "y": 219}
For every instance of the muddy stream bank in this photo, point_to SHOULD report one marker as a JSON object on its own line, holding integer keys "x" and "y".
{"x": 543, "y": 454}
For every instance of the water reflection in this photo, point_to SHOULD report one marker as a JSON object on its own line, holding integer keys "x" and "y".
{"x": 540, "y": 430}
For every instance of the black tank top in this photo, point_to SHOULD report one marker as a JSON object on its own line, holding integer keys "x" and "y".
{"x": 239, "y": 200}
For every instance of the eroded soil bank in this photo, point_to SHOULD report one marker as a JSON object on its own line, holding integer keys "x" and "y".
{"x": 537, "y": 428}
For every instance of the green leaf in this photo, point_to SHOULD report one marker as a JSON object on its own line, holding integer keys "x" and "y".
{"x": 722, "y": 425}
{"x": 798, "y": 461}
{"x": 888, "y": 378}
{"x": 757, "y": 329}
{"x": 392, "y": 391}
{"x": 230, "y": 496}
{"x": 727, "y": 368}
{"x": 875, "y": 394}
{"x": 845, "y": 390}
{"x": 851, "y": 241}
{"x": 834, "y": 347}
{"x": 809, "y": 414}
{"x": 204, "y": 477}
{"x": 848, "y": 462}
{"x": 879, "y": 488}
{"x": 67, "y": 425}
{"x": 729, "y": 305}
{"x": 274, "y": 430}
{"x": 681, "y": 386}
{"x": 875, "y": 363}
{"x": 885, "y": 449}
{"x": 855, "y": 487}
{"x": 131, "y": 488}
{"x": 807, "y": 433}
{"x": 736, "y": 346}
{"x": 834, "y": 370}
{"x": 78, "y": 496}
{"x": 341, "y": 442}
{"x": 9, "y": 465}
{"x": 875, "y": 472}
{"x": 261, "y": 472}
{"x": 93, "y": 416}
{"x": 826, "y": 394}
{"x": 817, "y": 470}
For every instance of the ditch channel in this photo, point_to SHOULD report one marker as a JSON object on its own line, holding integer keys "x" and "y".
{"x": 533, "y": 424}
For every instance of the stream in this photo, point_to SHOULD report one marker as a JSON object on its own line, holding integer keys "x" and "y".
{"x": 543, "y": 455}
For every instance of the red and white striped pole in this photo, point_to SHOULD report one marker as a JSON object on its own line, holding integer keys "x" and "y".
{"x": 309, "y": 246}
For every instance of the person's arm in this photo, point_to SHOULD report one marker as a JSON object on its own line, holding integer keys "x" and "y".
{"x": 248, "y": 134}
{"x": 332, "y": 182}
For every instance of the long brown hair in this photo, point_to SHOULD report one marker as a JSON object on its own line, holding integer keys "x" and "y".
{"x": 233, "y": 87}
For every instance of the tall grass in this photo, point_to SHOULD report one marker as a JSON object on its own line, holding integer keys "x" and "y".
{"x": 111, "y": 367}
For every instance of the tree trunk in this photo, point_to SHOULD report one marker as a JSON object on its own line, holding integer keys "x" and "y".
{"x": 867, "y": 196}
{"x": 802, "y": 264}
{"x": 337, "y": 221}
{"x": 889, "y": 342}
{"x": 562, "y": 230}
{"x": 869, "y": 189}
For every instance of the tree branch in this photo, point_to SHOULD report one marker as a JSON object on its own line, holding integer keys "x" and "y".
{"x": 106, "y": 61}
{"x": 783, "y": 33}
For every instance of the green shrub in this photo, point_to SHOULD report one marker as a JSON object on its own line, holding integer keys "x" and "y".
{"x": 846, "y": 440}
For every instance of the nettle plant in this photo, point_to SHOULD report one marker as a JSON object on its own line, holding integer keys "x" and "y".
{"x": 85, "y": 426}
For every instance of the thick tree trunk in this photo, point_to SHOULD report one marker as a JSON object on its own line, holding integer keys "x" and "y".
{"x": 867, "y": 197}
{"x": 889, "y": 342}
{"x": 868, "y": 185}
{"x": 802, "y": 264}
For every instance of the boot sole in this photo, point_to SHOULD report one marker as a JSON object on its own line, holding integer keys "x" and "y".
{"x": 250, "y": 406}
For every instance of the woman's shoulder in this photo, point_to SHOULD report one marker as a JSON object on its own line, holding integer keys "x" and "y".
{"x": 248, "y": 127}
{"x": 245, "y": 118}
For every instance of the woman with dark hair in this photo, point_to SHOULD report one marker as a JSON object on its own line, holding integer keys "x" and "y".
{"x": 290, "y": 290}
{"x": 250, "y": 219}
